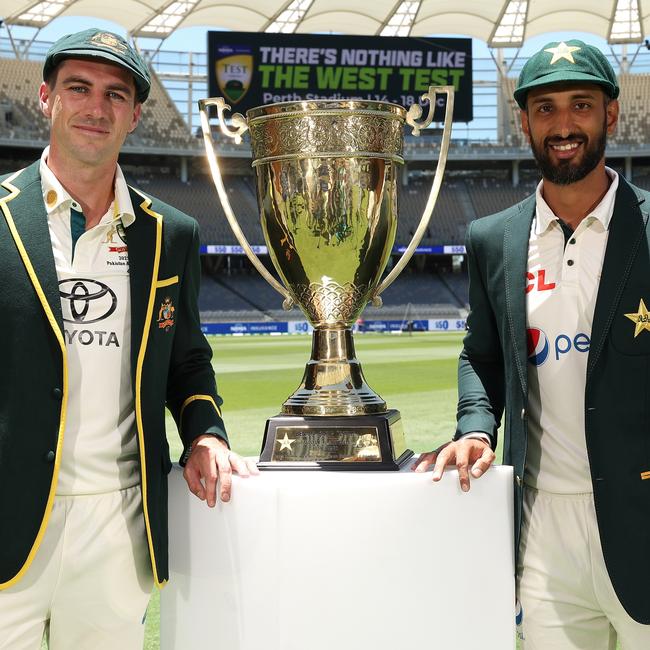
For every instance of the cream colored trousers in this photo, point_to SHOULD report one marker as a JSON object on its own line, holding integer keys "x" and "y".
{"x": 567, "y": 599}
{"x": 90, "y": 582}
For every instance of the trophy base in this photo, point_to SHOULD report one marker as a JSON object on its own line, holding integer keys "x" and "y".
{"x": 349, "y": 443}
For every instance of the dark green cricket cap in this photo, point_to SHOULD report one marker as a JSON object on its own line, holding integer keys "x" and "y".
{"x": 106, "y": 46}
{"x": 566, "y": 61}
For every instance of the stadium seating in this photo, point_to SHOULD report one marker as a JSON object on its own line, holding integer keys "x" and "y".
{"x": 450, "y": 217}
{"x": 198, "y": 197}
{"x": 633, "y": 130}
{"x": 244, "y": 295}
{"x": 20, "y": 116}
{"x": 489, "y": 195}
{"x": 21, "y": 119}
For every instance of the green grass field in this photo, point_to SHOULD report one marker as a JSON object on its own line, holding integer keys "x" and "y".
{"x": 415, "y": 374}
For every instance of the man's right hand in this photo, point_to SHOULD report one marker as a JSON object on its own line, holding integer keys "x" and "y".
{"x": 469, "y": 455}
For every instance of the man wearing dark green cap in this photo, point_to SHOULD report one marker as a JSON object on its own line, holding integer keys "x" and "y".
{"x": 100, "y": 331}
{"x": 559, "y": 335}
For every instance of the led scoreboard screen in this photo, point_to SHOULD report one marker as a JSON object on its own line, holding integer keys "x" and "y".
{"x": 250, "y": 69}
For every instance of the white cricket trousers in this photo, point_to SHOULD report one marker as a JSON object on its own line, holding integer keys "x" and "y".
{"x": 567, "y": 598}
{"x": 90, "y": 582}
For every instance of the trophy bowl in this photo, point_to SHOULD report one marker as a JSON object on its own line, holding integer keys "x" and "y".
{"x": 327, "y": 181}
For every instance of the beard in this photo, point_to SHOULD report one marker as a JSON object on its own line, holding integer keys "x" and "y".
{"x": 568, "y": 171}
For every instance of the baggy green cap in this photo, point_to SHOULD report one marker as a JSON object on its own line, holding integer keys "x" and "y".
{"x": 99, "y": 44}
{"x": 561, "y": 62}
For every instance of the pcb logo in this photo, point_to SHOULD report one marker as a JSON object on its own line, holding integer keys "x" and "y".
{"x": 166, "y": 315}
{"x": 234, "y": 72}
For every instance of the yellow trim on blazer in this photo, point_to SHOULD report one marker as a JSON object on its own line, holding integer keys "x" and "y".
{"x": 165, "y": 283}
{"x": 192, "y": 398}
{"x": 64, "y": 401}
{"x": 138, "y": 381}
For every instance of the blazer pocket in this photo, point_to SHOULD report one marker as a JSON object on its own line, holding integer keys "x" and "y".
{"x": 166, "y": 283}
{"x": 631, "y": 325}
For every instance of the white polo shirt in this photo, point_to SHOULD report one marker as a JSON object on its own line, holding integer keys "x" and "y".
{"x": 561, "y": 289}
{"x": 100, "y": 452}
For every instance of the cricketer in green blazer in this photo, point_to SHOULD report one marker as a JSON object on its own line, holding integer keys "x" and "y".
{"x": 170, "y": 365}
{"x": 492, "y": 375}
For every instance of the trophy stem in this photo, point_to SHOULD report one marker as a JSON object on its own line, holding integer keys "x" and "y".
{"x": 333, "y": 383}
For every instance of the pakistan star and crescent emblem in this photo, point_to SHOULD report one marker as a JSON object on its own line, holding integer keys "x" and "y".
{"x": 562, "y": 51}
{"x": 641, "y": 319}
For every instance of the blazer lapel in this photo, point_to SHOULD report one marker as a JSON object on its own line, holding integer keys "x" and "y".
{"x": 144, "y": 238}
{"x": 515, "y": 259}
{"x": 25, "y": 213}
{"x": 626, "y": 231}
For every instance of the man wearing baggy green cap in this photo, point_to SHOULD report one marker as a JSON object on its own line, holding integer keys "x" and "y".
{"x": 99, "y": 332}
{"x": 559, "y": 336}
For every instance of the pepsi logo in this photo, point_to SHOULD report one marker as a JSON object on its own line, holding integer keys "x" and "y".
{"x": 537, "y": 346}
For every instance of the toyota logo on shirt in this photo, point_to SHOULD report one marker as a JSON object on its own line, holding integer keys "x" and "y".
{"x": 86, "y": 301}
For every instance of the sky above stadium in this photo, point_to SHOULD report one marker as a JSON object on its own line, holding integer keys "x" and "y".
{"x": 194, "y": 38}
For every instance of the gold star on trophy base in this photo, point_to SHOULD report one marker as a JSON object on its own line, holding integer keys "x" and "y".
{"x": 286, "y": 442}
{"x": 641, "y": 318}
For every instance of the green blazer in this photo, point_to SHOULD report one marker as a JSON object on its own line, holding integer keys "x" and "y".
{"x": 492, "y": 375}
{"x": 170, "y": 365}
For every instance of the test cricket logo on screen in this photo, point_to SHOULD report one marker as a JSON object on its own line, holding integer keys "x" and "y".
{"x": 234, "y": 70}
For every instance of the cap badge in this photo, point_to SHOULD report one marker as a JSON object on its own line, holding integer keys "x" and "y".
{"x": 562, "y": 51}
{"x": 108, "y": 40}
{"x": 641, "y": 318}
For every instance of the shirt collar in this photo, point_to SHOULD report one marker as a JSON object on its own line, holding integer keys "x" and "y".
{"x": 55, "y": 195}
{"x": 544, "y": 216}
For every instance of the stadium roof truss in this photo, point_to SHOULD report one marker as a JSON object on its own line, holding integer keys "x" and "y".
{"x": 289, "y": 17}
{"x": 500, "y": 23}
{"x": 401, "y": 22}
{"x": 164, "y": 20}
{"x": 39, "y": 14}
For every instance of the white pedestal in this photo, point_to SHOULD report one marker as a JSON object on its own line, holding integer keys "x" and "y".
{"x": 342, "y": 560}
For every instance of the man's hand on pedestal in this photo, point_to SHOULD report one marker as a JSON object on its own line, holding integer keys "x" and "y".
{"x": 210, "y": 462}
{"x": 464, "y": 453}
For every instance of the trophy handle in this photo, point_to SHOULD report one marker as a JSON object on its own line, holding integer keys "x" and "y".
{"x": 238, "y": 121}
{"x": 415, "y": 111}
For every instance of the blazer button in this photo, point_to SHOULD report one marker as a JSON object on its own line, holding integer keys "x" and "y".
{"x": 57, "y": 393}
{"x": 523, "y": 414}
{"x": 518, "y": 480}
{"x": 49, "y": 457}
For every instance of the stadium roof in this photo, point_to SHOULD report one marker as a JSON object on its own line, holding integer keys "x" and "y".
{"x": 500, "y": 23}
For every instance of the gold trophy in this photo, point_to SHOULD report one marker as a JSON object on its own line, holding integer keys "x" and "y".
{"x": 327, "y": 191}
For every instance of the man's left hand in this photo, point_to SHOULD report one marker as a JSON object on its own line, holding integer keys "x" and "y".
{"x": 210, "y": 462}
